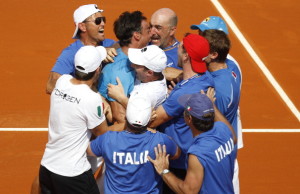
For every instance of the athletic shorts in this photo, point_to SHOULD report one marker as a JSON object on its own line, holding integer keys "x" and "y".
{"x": 52, "y": 183}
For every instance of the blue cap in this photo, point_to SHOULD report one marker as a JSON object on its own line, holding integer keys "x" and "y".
{"x": 211, "y": 23}
{"x": 196, "y": 104}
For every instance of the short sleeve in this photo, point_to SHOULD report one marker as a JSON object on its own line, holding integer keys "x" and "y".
{"x": 64, "y": 63}
{"x": 170, "y": 145}
{"x": 171, "y": 105}
{"x": 96, "y": 145}
{"x": 94, "y": 112}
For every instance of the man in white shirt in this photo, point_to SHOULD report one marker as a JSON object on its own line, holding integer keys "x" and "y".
{"x": 76, "y": 111}
{"x": 148, "y": 62}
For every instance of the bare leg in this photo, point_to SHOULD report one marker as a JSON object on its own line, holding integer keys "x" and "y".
{"x": 35, "y": 187}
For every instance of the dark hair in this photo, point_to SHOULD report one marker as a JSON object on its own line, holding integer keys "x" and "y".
{"x": 136, "y": 128}
{"x": 83, "y": 76}
{"x": 218, "y": 42}
{"x": 202, "y": 125}
{"x": 126, "y": 25}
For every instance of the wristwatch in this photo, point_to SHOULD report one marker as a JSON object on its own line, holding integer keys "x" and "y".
{"x": 165, "y": 171}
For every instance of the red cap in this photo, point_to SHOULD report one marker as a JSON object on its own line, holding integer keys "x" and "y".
{"x": 198, "y": 48}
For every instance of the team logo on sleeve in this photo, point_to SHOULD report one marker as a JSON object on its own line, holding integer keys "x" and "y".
{"x": 99, "y": 111}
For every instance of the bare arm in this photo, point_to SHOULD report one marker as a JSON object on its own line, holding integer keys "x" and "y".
{"x": 53, "y": 77}
{"x": 161, "y": 117}
{"x": 194, "y": 177}
{"x": 172, "y": 74}
{"x": 118, "y": 112}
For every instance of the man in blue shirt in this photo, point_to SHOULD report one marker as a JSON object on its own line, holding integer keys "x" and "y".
{"x": 89, "y": 30}
{"x": 163, "y": 29}
{"x": 225, "y": 74}
{"x": 192, "y": 51}
{"x": 132, "y": 31}
{"x": 125, "y": 153}
{"x": 211, "y": 156}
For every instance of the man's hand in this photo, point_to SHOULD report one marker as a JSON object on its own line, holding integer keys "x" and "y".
{"x": 162, "y": 159}
{"x": 116, "y": 91}
{"x": 210, "y": 94}
{"x": 171, "y": 87}
{"x": 111, "y": 53}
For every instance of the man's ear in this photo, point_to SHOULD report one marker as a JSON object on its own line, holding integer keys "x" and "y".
{"x": 213, "y": 55}
{"x": 136, "y": 36}
{"x": 173, "y": 30}
{"x": 82, "y": 27}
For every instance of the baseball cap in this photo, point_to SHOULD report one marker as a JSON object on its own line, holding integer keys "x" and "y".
{"x": 152, "y": 57}
{"x": 196, "y": 104}
{"x": 138, "y": 111}
{"x": 89, "y": 58}
{"x": 211, "y": 23}
{"x": 198, "y": 49}
{"x": 83, "y": 12}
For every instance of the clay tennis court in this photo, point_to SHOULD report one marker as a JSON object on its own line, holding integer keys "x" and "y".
{"x": 34, "y": 33}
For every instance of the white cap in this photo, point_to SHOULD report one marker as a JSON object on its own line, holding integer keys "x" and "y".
{"x": 151, "y": 57}
{"x": 138, "y": 111}
{"x": 89, "y": 58}
{"x": 82, "y": 13}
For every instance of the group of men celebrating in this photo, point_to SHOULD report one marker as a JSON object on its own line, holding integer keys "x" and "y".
{"x": 115, "y": 103}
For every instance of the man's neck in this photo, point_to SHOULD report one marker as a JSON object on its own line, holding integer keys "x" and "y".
{"x": 188, "y": 71}
{"x": 125, "y": 50}
{"x": 170, "y": 42}
{"x": 86, "y": 41}
{"x": 215, "y": 66}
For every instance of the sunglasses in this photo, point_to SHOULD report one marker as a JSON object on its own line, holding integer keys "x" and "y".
{"x": 98, "y": 20}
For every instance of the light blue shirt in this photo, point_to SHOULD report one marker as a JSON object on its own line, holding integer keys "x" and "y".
{"x": 120, "y": 68}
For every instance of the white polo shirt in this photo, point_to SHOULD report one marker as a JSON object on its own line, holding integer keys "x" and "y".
{"x": 73, "y": 110}
{"x": 156, "y": 91}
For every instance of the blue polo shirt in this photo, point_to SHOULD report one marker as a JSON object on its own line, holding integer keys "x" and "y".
{"x": 227, "y": 87}
{"x": 172, "y": 55}
{"x": 65, "y": 62}
{"x": 121, "y": 67}
{"x": 127, "y": 167}
{"x": 176, "y": 127}
{"x": 216, "y": 152}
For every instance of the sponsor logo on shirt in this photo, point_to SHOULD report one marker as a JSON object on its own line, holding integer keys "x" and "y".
{"x": 66, "y": 97}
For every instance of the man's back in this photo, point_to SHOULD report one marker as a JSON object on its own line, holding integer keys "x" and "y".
{"x": 73, "y": 110}
{"x": 216, "y": 152}
{"x": 176, "y": 127}
{"x": 127, "y": 167}
{"x": 120, "y": 68}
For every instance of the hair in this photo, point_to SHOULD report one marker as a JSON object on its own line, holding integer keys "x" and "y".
{"x": 83, "y": 76}
{"x": 134, "y": 128}
{"x": 219, "y": 43}
{"x": 202, "y": 125}
{"x": 126, "y": 25}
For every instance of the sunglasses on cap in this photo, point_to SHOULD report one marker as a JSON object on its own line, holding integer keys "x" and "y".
{"x": 98, "y": 20}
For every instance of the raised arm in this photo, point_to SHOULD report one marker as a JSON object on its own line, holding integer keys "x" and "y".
{"x": 161, "y": 117}
{"x": 194, "y": 177}
{"x": 218, "y": 115}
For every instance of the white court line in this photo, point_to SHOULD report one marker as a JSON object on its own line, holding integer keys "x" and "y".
{"x": 257, "y": 60}
{"x": 244, "y": 130}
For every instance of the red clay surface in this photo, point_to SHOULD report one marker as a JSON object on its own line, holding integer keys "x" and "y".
{"x": 33, "y": 35}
